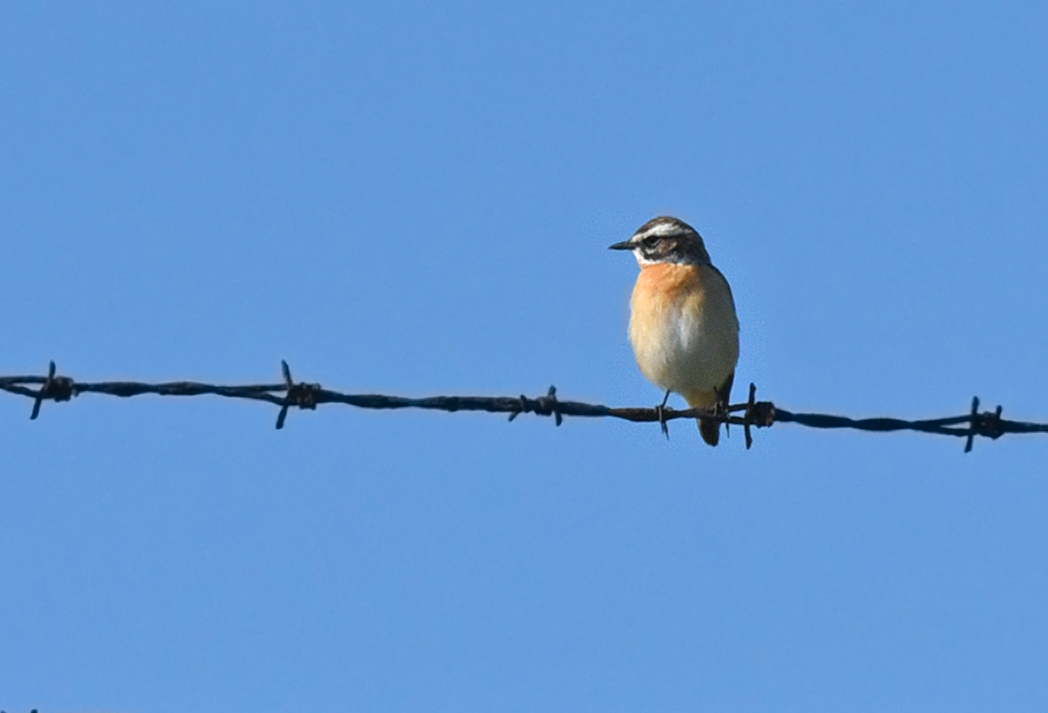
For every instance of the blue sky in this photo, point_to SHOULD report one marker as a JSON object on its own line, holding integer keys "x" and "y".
{"x": 416, "y": 199}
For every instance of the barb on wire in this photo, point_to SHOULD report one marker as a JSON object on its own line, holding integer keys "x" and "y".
{"x": 302, "y": 395}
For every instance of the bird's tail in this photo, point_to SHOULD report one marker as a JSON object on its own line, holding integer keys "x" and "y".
{"x": 710, "y": 427}
{"x": 710, "y": 430}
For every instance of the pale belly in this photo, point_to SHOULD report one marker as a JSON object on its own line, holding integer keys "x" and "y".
{"x": 690, "y": 344}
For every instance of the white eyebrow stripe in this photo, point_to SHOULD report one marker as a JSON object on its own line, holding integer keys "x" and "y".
{"x": 661, "y": 230}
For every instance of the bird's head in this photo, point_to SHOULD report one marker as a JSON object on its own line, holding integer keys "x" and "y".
{"x": 666, "y": 239}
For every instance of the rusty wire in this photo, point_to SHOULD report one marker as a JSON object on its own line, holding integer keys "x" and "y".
{"x": 303, "y": 395}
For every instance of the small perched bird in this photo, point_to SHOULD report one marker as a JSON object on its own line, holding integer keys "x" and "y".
{"x": 683, "y": 327}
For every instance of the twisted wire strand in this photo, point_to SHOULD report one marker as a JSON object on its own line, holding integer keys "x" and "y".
{"x": 302, "y": 395}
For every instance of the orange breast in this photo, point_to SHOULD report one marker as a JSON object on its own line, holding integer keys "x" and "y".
{"x": 683, "y": 328}
{"x": 664, "y": 284}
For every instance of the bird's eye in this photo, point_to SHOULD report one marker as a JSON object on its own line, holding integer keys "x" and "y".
{"x": 650, "y": 241}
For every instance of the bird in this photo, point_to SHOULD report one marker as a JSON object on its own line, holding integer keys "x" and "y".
{"x": 683, "y": 326}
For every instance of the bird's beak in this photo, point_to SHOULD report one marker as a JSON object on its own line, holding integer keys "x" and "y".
{"x": 627, "y": 245}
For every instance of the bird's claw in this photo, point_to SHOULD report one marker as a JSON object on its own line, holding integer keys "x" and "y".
{"x": 663, "y": 424}
{"x": 721, "y": 409}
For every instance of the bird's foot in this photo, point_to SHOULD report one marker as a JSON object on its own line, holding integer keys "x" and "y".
{"x": 721, "y": 409}
{"x": 663, "y": 424}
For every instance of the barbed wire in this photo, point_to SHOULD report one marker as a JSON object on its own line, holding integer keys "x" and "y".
{"x": 303, "y": 395}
